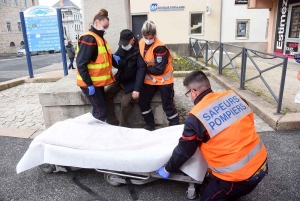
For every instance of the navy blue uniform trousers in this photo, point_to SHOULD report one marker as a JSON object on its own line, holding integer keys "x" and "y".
{"x": 97, "y": 101}
{"x": 167, "y": 95}
{"x": 220, "y": 190}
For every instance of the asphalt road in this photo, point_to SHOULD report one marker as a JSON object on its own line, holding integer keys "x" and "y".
{"x": 282, "y": 183}
{"x": 12, "y": 67}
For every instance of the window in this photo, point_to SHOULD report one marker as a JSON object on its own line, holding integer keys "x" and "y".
{"x": 25, "y": 3}
{"x": 8, "y": 26}
{"x": 15, "y": 2}
{"x": 196, "y": 23}
{"x": 12, "y": 44}
{"x": 19, "y": 26}
{"x": 33, "y": 3}
{"x": 22, "y": 43}
{"x": 242, "y": 29}
{"x": 3, "y": 1}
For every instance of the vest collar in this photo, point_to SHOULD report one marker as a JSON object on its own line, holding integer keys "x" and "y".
{"x": 201, "y": 96}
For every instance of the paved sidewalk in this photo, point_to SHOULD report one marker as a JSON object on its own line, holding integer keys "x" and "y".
{"x": 20, "y": 107}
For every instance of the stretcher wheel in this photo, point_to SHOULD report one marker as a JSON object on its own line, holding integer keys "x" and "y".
{"x": 191, "y": 196}
{"x": 109, "y": 178}
{"x": 47, "y": 168}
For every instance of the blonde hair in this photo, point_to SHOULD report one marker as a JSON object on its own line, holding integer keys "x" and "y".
{"x": 148, "y": 28}
{"x": 103, "y": 14}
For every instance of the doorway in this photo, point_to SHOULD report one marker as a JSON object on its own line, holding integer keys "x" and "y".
{"x": 292, "y": 41}
{"x": 137, "y": 24}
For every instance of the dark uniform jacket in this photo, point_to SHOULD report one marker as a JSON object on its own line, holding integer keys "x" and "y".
{"x": 194, "y": 130}
{"x": 131, "y": 68}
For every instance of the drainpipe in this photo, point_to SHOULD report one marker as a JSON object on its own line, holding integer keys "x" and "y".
{"x": 221, "y": 22}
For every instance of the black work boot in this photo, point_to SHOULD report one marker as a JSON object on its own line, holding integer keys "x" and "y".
{"x": 149, "y": 119}
{"x": 149, "y": 128}
{"x": 174, "y": 121}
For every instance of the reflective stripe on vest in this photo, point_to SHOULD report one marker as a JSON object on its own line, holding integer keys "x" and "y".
{"x": 223, "y": 112}
{"x": 168, "y": 76}
{"x": 98, "y": 66}
{"x": 241, "y": 163}
{"x": 98, "y": 78}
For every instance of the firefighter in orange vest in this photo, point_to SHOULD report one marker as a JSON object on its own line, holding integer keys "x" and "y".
{"x": 94, "y": 64}
{"x": 159, "y": 76}
{"x": 221, "y": 125}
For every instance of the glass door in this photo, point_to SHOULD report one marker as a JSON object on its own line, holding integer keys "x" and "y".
{"x": 292, "y": 37}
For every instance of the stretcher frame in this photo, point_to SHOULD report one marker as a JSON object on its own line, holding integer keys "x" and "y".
{"x": 116, "y": 178}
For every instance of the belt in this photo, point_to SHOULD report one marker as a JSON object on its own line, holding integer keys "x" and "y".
{"x": 260, "y": 173}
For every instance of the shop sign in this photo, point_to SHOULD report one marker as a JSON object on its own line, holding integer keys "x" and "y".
{"x": 241, "y": 1}
{"x": 282, "y": 14}
{"x": 155, "y": 7}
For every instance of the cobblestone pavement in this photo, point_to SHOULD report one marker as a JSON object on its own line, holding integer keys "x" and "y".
{"x": 20, "y": 107}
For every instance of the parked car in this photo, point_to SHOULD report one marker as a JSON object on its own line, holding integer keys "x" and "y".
{"x": 53, "y": 51}
{"x": 22, "y": 52}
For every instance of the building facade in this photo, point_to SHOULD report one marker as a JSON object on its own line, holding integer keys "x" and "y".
{"x": 284, "y": 25}
{"x": 228, "y": 21}
{"x": 118, "y": 14}
{"x": 72, "y": 19}
{"x": 11, "y": 37}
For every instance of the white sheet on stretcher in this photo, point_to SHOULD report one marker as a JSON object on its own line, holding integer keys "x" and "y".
{"x": 86, "y": 142}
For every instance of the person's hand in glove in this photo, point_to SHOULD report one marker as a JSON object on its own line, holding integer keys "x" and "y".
{"x": 91, "y": 90}
{"x": 116, "y": 58}
{"x": 163, "y": 173}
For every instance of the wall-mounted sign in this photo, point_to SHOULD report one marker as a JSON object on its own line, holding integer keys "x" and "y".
{"x": 42, "y": 28}
{"x": 282, "y": 14}
{"x": 241, "y": 1}
{"x": 155, "y": 7}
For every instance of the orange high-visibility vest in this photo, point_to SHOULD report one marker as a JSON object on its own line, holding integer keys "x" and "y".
{"x": 298, "y": 75}
{"x": 234, "y": 151}
{"x": 100, "y": 70}
{"x": 167, "y": 76}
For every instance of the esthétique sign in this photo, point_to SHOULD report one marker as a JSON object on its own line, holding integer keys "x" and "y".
{"x": 42, "y": 28}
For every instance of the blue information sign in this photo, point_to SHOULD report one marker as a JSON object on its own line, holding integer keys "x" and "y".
{"x": 42, "y": 28}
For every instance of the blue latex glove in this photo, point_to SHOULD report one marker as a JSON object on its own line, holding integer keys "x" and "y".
{"x": 91, "y": 90}
{"x": 164, "y": 174}
{"x": 298, "y": 60}
{"x": 116, "y": 58}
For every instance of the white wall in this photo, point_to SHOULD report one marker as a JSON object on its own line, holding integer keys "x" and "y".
{"x": 173, "y": 27}
{"x": 258, "y": 22}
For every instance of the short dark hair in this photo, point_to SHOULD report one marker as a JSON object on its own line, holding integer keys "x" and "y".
{"x": 196, "y": 79}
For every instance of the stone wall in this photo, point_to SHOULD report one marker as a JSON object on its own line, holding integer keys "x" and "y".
{"x": 64, "y": 99}
{"x": 118, "y": 13}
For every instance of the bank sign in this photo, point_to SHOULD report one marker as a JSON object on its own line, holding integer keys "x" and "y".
{"x": 42, "y": 28}
{"x": 155, "y": 7}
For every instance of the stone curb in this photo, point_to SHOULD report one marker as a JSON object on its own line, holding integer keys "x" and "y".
{"x": 15, "y": 82}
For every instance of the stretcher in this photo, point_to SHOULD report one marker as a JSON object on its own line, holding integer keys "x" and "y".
{"x": 117, "y": 152}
